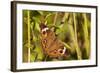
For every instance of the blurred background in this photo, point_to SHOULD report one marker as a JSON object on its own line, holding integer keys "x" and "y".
{"x": 73, "y": 29}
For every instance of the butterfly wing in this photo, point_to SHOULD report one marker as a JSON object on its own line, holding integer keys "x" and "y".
{"x": 56, "y": 49}
{"x": 51, "y": 45}
{"x": 47, "y": 41}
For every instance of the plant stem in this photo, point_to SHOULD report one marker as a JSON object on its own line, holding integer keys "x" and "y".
{"x": 79, "y": 55}
{"x": 55, "y": 18}
{"x": 67, "y": 46}
{"x": 86, "y": 35}
{"x": 28, "y": 23}
{"x": 54, "y": 22}
{"x": 46, "y": 57}
{"x": 65, "y": 17}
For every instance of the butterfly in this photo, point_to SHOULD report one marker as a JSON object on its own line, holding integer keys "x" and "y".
{"x": 51, "y": 45}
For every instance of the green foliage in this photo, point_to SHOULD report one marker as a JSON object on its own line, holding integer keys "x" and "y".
{"x": 73, "y": 29}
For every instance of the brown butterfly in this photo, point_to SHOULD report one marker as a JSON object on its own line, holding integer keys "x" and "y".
{"x": 51, "y": 45}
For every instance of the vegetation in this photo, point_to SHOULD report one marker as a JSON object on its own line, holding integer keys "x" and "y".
{"x": 73, "y": 29}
